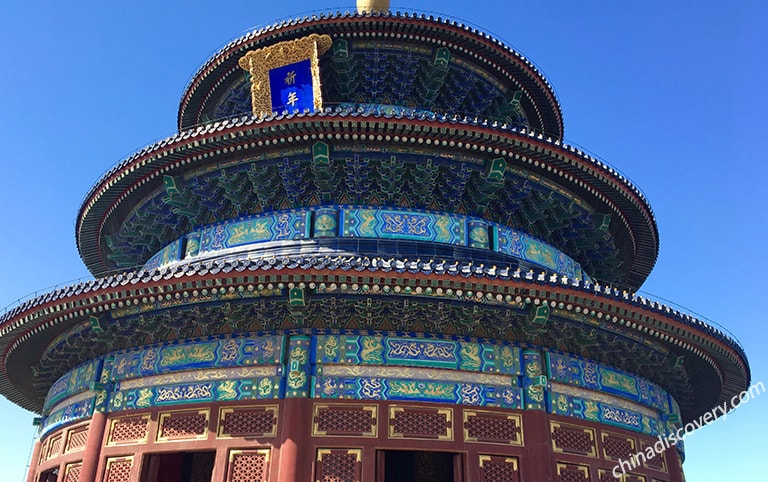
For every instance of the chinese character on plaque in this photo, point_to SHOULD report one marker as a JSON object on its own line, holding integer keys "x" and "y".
{"x": 291, "y": 87}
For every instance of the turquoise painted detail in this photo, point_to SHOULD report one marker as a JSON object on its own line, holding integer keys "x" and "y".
{"x": 193, "y": 245}
{"x": 404, "y": 357}
{"x": 77, "y": 380}
{"x": 477, "y": 234}
{"x": 256, "y": 229}
{"x": 601, "y": 412}
{"x": 384, "y": 109}
{"x": 195, "y": 355}
{"x": 584, "y": 373}
{"x": 404, "y": 389}
{"x": 102, "y": 395}
{"x": 532, "y": 380}
{"x": 363, "y": 366}
{"x": 399, "y": 224}
{"x": 286, "y": 225}
{"x": 297, "y": 380}
{"x": 520, "y": 245}
{"x": 417, "y": 352}
{"x": 259, "y": 388}
{"x": 435, "y": 353}
{"x": 369, "y": 223}
{"x": 168, "y": 254}
{"x": 68, "y": 414}
{"x": 326, "y": 223}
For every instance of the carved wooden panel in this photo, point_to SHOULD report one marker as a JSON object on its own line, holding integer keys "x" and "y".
{"x": 617, "y": 447}
{"x": 118, "y": 469}
{"x": 572, "y": 473}
{"x": 72, "y": 472}
{"x": 248, "y": 465}
{"x": 420, "y": 423}
{"x": 338, "y": 465}
{"x": 253, "y": 421}
{"x": 131, "y": 429}
{"x": 183, "y": 425}
{"x": 656, "y": 462}
{"x": 493, "y": 427}
{"x": 573, "y": 439}
{"x": 496, "y": 468}
{"x": 76, "y": 438}
{"x": 345, "y": 420}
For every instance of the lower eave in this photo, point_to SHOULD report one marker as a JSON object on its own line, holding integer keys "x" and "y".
{"x": 26, "y": 330}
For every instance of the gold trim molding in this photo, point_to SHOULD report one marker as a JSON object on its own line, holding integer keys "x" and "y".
{"x": 259, "y": 62}
{"x": 260, "y": 451}
{"x": 358, "y": 453}
{"x": 507, "y": 460}
{"x": 583, "y": 469}
{"x": 608, "y": 473}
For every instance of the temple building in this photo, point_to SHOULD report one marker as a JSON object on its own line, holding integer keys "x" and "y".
{"x": 367, "y": 255}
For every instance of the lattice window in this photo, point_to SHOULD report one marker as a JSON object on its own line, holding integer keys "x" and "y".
{"x": 606, "y": 475}
{"x": 657, "y": 462}
{"x": 248, "y": 466}
{"x": 180, "y": 425}
{"x": 118, "y": 469}
{"x": 248, "y": 422}
{"x": 344, "y": 420}
{"x": 499, "y": 469}
{"x": 572, "y": 473}
{"x": 55, "y": 446}
{"x": 494, "y": 428}
{"x": 338, "y": 465}
{"x": 76, "y": 438}
{"x": 420, "y": 423}
{"x": 43, "y": 452}
{"x": 51, "y": 447}
{"x": 633, "y": 478}
{"x": 616, "y": 447}
{"x": 575, "y": 440}
{"x": 129, "y": 429}
{"x": 72, "y": 472}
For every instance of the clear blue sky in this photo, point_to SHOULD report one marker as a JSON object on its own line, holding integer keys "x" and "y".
{"x": 670, "y": 93}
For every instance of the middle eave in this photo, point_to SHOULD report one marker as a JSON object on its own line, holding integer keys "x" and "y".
{"x": 591, "y": 179}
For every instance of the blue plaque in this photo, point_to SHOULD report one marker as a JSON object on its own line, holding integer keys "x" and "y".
{"x": 291, "y": 87}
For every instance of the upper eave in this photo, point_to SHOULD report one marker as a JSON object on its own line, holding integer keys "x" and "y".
{"x": 473, "y": 44}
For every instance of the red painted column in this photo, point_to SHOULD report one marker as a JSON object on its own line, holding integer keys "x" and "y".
{"x": 296, "y": 461}
{"x": 33, "y": 462}
{"x": 92, "y": 454}
{"x": 537, "y": 463}
{"x": 296, "y": 458}
{"x": 380, "y": 464}
{"x": 221, "y": 465}
{"x": 674, "y": 465}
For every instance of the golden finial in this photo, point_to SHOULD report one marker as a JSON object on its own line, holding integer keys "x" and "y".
{"x": 372, "y": 6}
